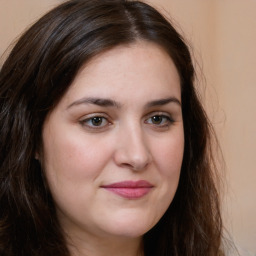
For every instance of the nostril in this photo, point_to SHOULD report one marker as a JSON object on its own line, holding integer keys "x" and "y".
{"x": 132, "y": 151}
{"x": 134, "y": 162}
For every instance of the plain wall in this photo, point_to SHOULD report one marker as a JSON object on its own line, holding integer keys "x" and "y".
{"x": 223, "y": 35}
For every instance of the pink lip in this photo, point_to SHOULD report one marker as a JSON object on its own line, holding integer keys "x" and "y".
{"x": 130, "y": 189}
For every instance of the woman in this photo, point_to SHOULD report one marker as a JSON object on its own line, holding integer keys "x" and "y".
{"x": 105, "y": 147}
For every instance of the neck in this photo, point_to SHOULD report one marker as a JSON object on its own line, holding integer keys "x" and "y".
{"x": 105, "y": 246}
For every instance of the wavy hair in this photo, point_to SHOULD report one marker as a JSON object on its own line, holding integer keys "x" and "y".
{"x": 33, "y": 79}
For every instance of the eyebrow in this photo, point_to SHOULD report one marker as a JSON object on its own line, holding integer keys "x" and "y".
{"x": 162, "y": 102}
{"x": 96, "y": 101}
{"x": 111, "y": 103}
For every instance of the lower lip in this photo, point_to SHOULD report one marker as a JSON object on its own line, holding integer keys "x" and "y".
{"x": 130, "y": 193}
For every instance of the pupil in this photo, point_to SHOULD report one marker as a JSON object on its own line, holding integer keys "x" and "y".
{"x": 96, "y": 121}
{"x": 157, "y": 119}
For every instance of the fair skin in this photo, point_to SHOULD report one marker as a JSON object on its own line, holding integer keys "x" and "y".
{"x": 113, "y": 149}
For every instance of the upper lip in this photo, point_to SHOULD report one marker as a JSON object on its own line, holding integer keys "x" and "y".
{"x": 129, "y": 184}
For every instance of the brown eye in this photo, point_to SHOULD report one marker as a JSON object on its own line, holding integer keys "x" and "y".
{"x": 160, "y": 120}
{"x": 157, "y": 119}
{"x": 96, "y": 121}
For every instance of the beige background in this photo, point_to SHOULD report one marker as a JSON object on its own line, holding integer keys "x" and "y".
{"x": 223, "y": 35}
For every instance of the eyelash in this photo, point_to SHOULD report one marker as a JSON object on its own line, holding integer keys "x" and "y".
{"x": 97, "y": 117}
{"x": 164, "y": 121}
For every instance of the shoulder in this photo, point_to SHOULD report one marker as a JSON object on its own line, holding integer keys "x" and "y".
{"x": 244, "y": 252}
{"x": 236, "y": 250}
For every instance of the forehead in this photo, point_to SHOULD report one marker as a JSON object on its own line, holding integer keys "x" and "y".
{"x": 144, "y": 51}
{"x": 127, "y": 69}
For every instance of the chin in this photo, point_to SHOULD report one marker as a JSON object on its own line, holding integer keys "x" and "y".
{"x": 131, "y": 227}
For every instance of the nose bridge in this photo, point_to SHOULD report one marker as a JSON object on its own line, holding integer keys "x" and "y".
{"x": 132, "y": 150}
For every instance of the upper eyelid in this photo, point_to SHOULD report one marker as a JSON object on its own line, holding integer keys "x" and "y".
{"x": 158, "y": 113}
{"x": 108, "y": 117}
{"x": 87, "y": 117}
{"x": 169, "y": 118}
{"x": 87, "y": 126}
{"x": 97, "y": 114}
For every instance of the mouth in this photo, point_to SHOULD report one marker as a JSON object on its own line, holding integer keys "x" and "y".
{"x": 130, "y": 189}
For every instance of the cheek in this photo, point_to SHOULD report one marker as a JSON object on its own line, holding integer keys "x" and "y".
{"x": 73, "y": 162}
{"x": 168, "y": 158}
{"x": 72, "y": 159}
{"x": 169, "y": 155}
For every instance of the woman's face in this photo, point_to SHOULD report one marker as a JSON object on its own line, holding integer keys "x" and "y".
{"x": 113, "y": 146}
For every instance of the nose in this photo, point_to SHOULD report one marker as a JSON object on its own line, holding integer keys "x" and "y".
{"x": 132, "y": 150}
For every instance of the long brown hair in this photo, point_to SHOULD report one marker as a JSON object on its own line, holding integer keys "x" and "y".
{"x": 35, "y": 76}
